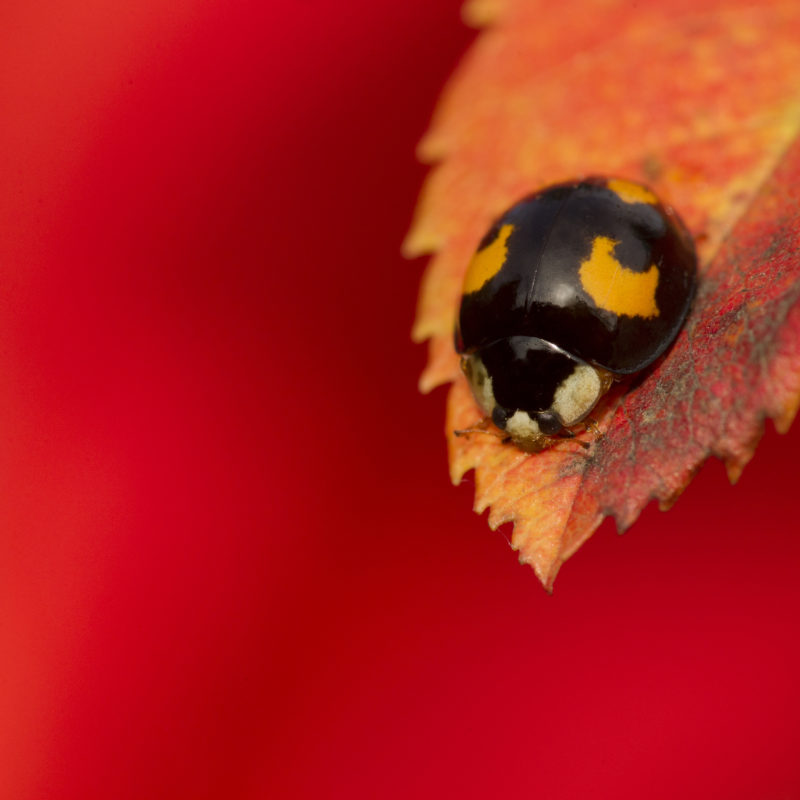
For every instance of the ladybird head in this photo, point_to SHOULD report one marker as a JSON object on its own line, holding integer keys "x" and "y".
{"x": 532, "y": 389}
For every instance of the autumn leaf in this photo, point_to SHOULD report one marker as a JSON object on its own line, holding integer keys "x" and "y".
{"x": 701, "y": 102}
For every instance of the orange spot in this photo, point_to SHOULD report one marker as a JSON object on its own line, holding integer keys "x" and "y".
{"x": 616, "y": 288}
{"x": 630, "y": 192}
{"x": 486, "y": 263}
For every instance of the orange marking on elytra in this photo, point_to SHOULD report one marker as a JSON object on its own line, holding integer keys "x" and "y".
{"x": 486, "y": 263}
{"x": 616, "y": 288}
{"x": 630, "y": 192}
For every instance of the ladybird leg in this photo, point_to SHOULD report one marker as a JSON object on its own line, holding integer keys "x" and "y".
{"x": 592, "y": 426}
{"x": 584, "y": 445}
{"x": 566, "y": 433}
{"x": 481, "y": 427}
{"x": 562, "y": 447}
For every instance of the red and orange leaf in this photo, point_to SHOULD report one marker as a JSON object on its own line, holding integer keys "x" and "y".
{"x": 700, "y": 101}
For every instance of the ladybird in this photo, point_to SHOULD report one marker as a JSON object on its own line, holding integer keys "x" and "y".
{"x": 573, "y": 288}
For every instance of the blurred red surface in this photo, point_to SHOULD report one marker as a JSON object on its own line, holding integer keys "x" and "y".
{"x": 231, "y": 564}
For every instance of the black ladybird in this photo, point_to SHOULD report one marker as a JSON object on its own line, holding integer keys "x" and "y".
{"x": 573, "y": 287}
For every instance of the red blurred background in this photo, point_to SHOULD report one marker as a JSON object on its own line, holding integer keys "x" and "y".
{"x": 231, "y": 563}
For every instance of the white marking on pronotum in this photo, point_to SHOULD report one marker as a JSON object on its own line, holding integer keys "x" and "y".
{"x": 577, "y": 394}
{"x": 481, "y": 383}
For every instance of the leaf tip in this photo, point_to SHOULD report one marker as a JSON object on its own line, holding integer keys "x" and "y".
{"x": 417, "y": 243}
{"x": 545, "y": 572}
{"x": 784, "y": 420}
{"x": 480, "y": 13}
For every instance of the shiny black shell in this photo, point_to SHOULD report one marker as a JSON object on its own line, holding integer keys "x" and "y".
{"x": 561, "y": 260}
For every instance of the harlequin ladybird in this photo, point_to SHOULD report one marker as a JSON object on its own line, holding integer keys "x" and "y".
{"x": 572, "y": 288}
